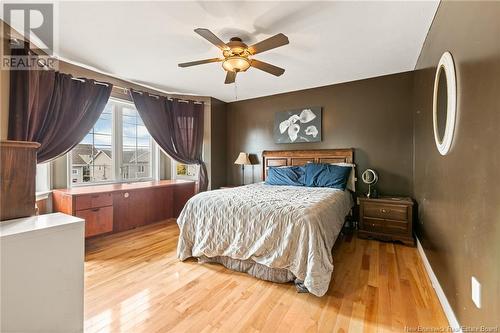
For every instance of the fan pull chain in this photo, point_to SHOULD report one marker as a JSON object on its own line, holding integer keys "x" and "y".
{"x": 235, "y": 91}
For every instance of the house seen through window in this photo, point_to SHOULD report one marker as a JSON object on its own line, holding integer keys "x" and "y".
{"x": 118, "y": 148}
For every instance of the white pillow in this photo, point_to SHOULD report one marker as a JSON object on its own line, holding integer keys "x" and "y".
{"x": 351, "y": 182}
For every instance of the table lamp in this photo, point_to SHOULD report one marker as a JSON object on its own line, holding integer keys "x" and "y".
{"x": 243, "y": 160}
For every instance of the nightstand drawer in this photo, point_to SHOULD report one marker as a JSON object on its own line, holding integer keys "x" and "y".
{"x": 384, "y": 226}
{"x": 385, "y": 211}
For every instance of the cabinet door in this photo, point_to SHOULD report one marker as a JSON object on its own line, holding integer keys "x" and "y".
{"x": 183, "y": 192}
{"x": 121, "y": 211}
{"x": 97, "y": 220}
{"x": 160, "y": 204}
{"x": 130, "y": 209}
{"x": 141, "y": 207}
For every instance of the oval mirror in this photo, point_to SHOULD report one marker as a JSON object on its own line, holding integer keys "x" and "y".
{"x": 369, "y": 177}
{"x": 444, "y": 103}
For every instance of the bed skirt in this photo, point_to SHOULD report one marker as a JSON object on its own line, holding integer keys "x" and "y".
{"x": 279, "y": 275}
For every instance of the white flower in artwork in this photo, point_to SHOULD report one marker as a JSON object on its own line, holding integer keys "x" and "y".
{"x": 293, "y": 132}
{"x": 293, "y": 118}
{"x": 293, "y": 127}
{"x": 284, "y": 125}
{"x": 306, "y": 116}
{"x": 287, "y": 123}
{"x": 312, "y": 130}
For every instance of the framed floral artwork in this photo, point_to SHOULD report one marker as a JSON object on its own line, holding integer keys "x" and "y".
{"x": 299, "y": 125}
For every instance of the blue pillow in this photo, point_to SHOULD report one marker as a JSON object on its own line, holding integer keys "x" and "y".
{"x": 326, "y": 175}
{"x": 293, "y": 175}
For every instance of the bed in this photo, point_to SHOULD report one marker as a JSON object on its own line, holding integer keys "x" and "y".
{"x": 276, "y": 233}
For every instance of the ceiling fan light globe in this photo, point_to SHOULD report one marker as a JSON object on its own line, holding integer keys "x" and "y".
{"x": 237, "y": 50}
{"x": 236, "y": 64}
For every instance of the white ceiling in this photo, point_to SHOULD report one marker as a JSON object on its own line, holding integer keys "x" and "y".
{"x": 330, "y": 42}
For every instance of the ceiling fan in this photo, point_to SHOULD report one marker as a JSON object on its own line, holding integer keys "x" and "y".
{"x": 237, "y": 56}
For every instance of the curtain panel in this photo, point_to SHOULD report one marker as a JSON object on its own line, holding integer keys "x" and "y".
{"x": 53, "y": 109}
{"x": 177, "y": 127}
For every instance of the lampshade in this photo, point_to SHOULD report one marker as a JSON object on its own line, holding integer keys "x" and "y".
{"x": 236, "y": 64}
{"x": 242, "y": 159}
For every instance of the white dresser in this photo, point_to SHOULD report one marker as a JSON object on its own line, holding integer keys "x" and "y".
{"x": 41, "y": 274}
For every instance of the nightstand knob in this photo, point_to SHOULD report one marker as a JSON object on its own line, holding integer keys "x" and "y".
{"x": 384, "y": 210}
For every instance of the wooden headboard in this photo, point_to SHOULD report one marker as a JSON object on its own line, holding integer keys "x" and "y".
{"x": 301, "y": 157}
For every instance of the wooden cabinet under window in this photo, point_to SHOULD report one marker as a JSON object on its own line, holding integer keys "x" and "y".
{"x": 140, "y": 207}
{"x": 120, "y": 207}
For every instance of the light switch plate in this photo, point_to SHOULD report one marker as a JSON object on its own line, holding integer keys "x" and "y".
{"x": 476, "y": 292}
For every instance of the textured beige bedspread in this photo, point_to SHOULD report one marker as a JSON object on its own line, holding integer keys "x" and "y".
{"x": 277, "y": 226}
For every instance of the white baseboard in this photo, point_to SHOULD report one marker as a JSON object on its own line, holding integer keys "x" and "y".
{"x": 448, "y": 311}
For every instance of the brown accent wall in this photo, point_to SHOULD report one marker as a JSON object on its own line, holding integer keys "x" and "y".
{"x": 373, "y": 116}
{"x": 218, "y": 123}
{"x": 459, "y": 194}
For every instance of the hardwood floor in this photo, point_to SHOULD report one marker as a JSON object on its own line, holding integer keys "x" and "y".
{"x": 134, "y": 283}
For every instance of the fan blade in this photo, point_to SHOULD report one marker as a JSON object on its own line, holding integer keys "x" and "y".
{"x": 199, "y": 62}
{"x": 230, "y": 77}
{"x": 212, "y": 38}
{"x": 268, "y": 44}
{"x": 264, "y": 66}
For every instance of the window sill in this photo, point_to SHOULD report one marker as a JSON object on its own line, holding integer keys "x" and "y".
{"x": 43, "y": 195}
{"x": 112, "y": 182}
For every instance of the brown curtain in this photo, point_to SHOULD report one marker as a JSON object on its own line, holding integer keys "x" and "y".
{"x": 53, "y": 109}
{"x": 176, "y": 126}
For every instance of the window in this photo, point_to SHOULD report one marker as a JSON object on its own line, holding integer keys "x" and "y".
{"x": 136, "y": 151}
{"x": 118, "y": 148}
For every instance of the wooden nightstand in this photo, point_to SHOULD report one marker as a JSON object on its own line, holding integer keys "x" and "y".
{"x": 387, "y": 218}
